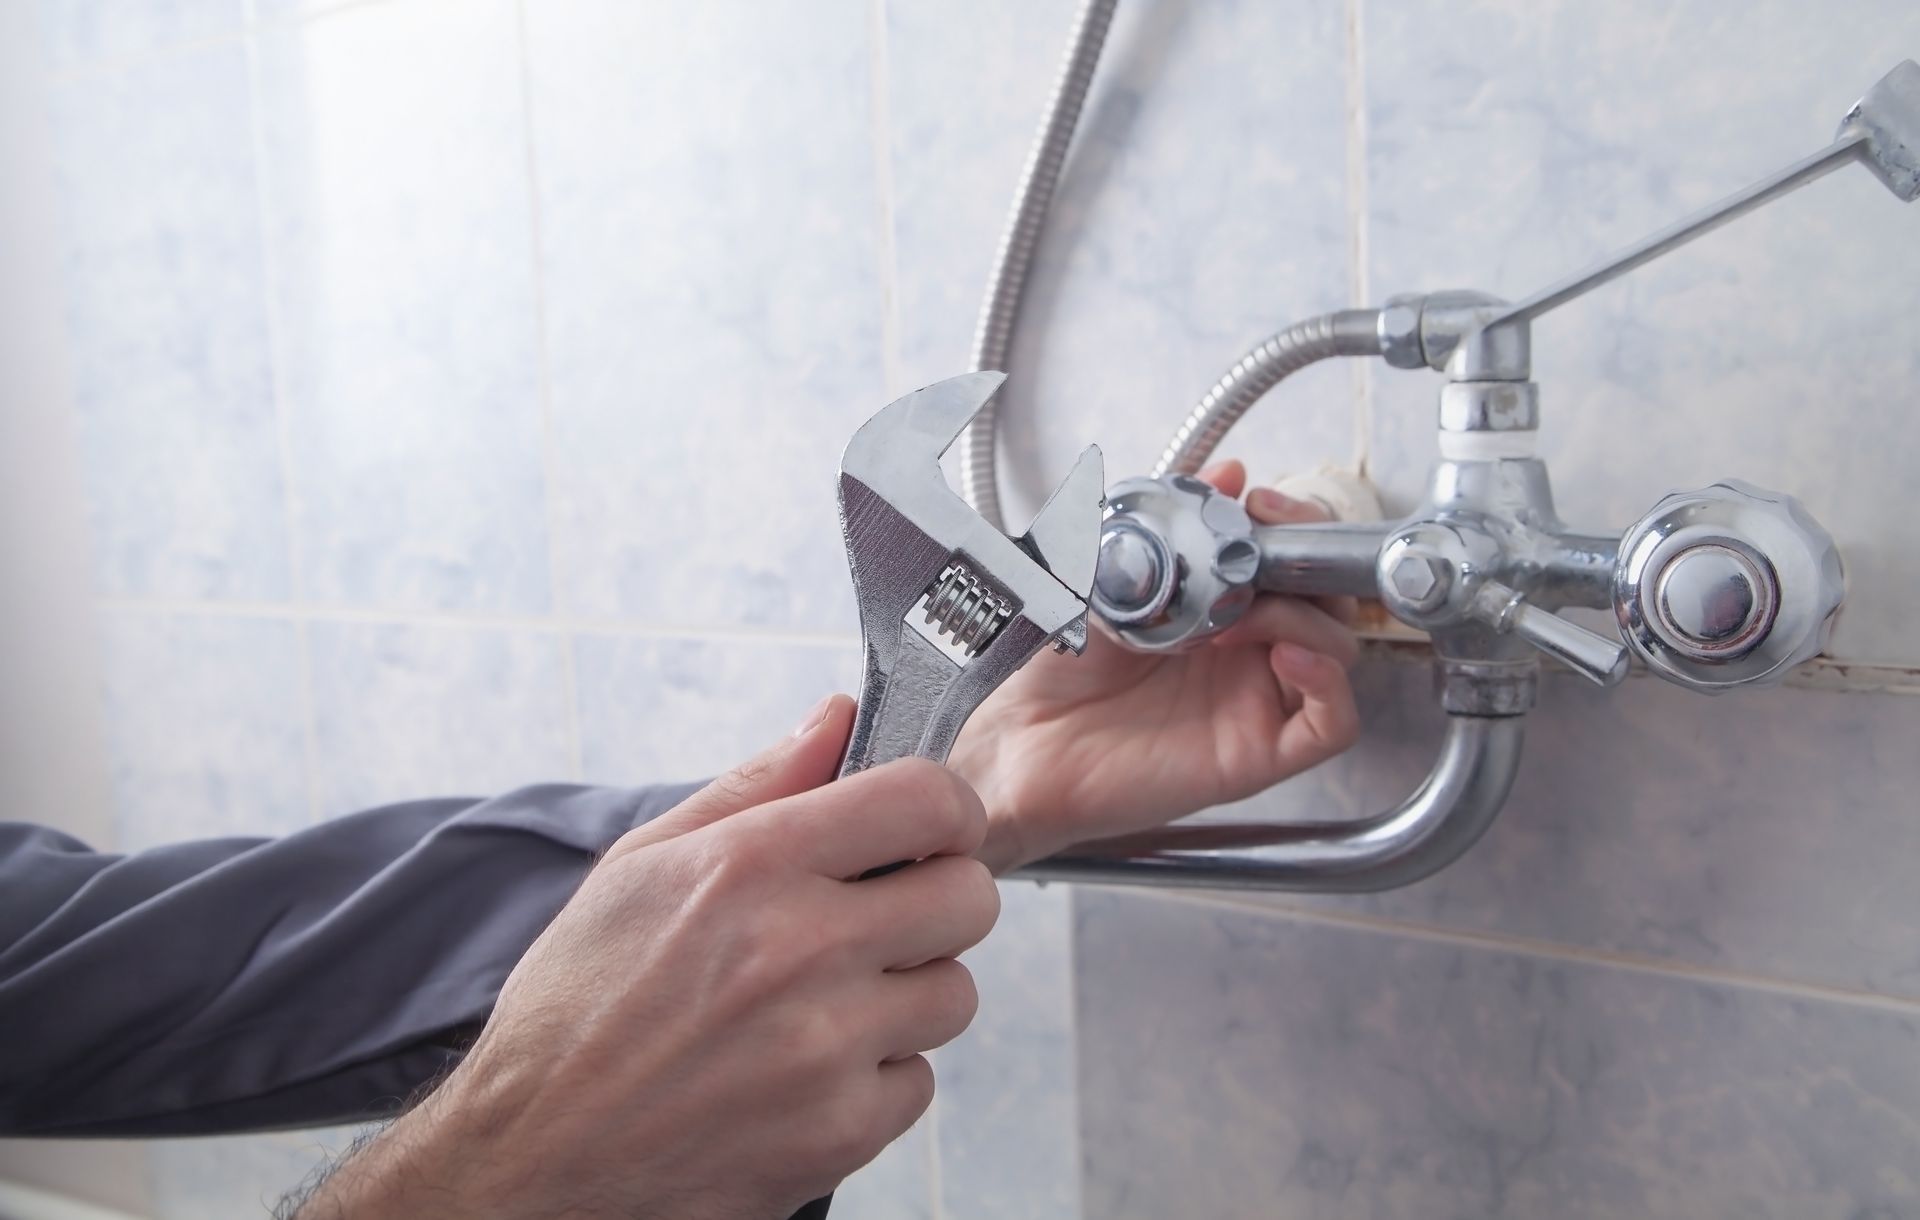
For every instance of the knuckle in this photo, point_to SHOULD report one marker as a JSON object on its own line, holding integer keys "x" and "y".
{"x": 811, "y": 1044}
{"x": 917, "y": 1073}
{"x": 739, "y": 785}
{"x": 733, "y": 856}
{"x": 957, "y": 995}
{"x": 976, "y": 893}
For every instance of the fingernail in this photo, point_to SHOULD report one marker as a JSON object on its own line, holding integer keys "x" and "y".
{"x": 1267, "y": 500}
{"x": 814, "y": 717}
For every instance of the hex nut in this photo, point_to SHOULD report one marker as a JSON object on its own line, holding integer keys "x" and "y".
{"x": 1420, "y": 578}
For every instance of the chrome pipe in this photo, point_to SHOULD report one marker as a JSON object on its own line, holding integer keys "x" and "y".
{"x": 1431, "y": 829}
{"x": 1350, "y": 332}
{"x": 1335, "y": 560}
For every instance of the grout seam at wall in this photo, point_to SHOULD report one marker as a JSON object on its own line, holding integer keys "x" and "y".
{"x": 318, "y": 613}
{"x": 330, "y": 8}
{"x": 1359, "y": 372}
{"x": 1546, "y": 950}
{"x": 282, "y": 416}
{"x": 543, "y": 390}
{"x": 1076, "y": 1138}
{"x": 886, "y": 254}
{"x": 880, "y": 108}
{"x": 251, "y": 22}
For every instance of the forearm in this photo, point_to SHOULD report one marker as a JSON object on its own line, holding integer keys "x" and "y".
{"x": 245, "y": 983}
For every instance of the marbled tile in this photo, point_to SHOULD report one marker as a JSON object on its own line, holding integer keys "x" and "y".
{"x": 403, "y": 712}
{"x": 1007, "y": 1118}
{"x": 237, "y": 1177}
{"x": 657, "y": 709}
{"x": 896, "y": 1185}
{"x": 1510, "y": 144}
{"x": 395, "y": 167}
{"x": 78, "y": 34}
{"x": 166, "y": 316}
{"x": 1767, "y": 832}
{"x": 294, "y": 10}
{"x": 204, "y": 727}
{"x": 1203, "y": 208}
{"x": 1235, "y": 1064}
{"x": 708, "y": 230}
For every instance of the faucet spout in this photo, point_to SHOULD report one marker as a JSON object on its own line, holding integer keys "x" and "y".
{"x": 1449, "y": 811}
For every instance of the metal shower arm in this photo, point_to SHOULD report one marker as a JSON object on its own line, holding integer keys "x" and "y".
{"x": 1882, "y": 131}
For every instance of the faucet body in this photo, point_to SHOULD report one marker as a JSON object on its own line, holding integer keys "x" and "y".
{"x": 1714, "y": 588}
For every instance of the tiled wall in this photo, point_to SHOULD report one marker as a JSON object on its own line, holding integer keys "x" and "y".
{"x": 459, "y": 383}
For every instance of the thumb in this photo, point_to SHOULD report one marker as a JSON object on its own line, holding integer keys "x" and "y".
{"x": 804, "y": 761}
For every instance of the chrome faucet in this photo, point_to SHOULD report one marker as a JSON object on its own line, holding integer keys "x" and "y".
{"x": 1712, "y": 589}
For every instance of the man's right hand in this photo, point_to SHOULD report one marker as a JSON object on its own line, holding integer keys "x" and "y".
{"x": 723, "y": 1022}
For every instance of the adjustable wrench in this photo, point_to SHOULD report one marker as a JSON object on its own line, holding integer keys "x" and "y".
{"x": 950, "y": 607}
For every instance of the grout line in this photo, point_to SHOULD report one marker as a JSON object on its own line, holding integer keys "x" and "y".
{"x": 332, "y": 8}
{"x": 570, "y": 679}
{"x": 549, "y": 449}
{"x": 880, "y": 84}
{"x": 724, "y": 633}
{"x": 1076, "y": 1138}
{"x": 880, "y": 106}
{"x": 107, "y": 68}
{"x": 251, "y": 23}
{"x": 309, "y": 722}
{"x": 1360, "y": 372}
{"x": 1528, "y": 946}
{"x": 543, "y": 365}
{"x": 282, "y": 414}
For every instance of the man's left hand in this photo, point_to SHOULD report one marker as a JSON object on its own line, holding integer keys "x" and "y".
{"x": 1077, "y": 748}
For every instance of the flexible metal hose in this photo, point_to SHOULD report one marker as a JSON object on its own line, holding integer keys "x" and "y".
{"x": 1350, "y": 332}
{"x": 979, "y": 475}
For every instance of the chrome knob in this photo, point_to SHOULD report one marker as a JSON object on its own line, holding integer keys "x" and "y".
{"x": 1177, "y": 563}
{"x": 1135, "y": 576}
{"x": 1714, "y": 600}
{"x": 1727, "y": 586}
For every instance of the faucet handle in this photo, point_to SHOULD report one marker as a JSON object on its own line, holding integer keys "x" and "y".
{"x": 1726, "y": 586}
{"x": 1587, "y": 653}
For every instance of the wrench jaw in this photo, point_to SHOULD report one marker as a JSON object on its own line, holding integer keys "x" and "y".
{"x": 913, "y": 546}
{"x": 914, "y": 696}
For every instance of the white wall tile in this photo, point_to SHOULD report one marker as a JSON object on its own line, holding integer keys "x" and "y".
{"x": 401, "y": 255}
{"x": 1235, "y": 1064}
{"x": 896, "y": 1185}
{"x": 1766, "y": 832}
{"x": 1510, "y": 144}
{"x": 406, "y": 712}
{"x": 709, "y": 232}
{"x": 660, "y": 709}
{"x": 205, "y": 728}
{"x": 1007, "y": 1114}
{"x": 165, "y": 315}
{"x": 78, "y": 34}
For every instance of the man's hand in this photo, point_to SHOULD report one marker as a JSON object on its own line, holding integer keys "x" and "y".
{"x": 1075, "y": 748}
{"x": 721, "y": 1023}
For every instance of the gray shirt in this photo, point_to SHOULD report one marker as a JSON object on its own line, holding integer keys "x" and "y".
{"x": 243, "y": 984}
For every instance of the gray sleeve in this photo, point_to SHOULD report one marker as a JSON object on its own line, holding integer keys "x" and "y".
{"x": 240, "y": 984}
